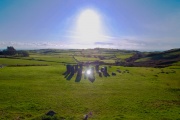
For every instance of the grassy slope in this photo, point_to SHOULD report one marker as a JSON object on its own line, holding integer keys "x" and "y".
{"x": 29, "y": 92}
{"x": 166, "y": 55}
{"x": 123, "y": 55}
{"x": 12, "y": 61}
{"x": 85, "y": 59}
{"x": 37, "y": 60}
{"x": 144, "y": 93}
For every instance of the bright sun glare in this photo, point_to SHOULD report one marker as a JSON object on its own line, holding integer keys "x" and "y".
{"x": 88, "y": 72}
{"x": 89, "y": 26}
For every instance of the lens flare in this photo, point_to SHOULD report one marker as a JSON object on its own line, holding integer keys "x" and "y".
{"x": 88, "y": 72}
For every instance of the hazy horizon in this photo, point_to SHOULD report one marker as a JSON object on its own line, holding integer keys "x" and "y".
{"x": 143, "y": 25}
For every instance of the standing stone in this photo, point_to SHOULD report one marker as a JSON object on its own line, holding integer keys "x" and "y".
{"x": 97, "y": 68}
{"x": 76, "y": 68}
{"x": 68, "y": 68}
{"x": 102, "y": 69}
{"x": 79, "y": 72}
{"x": 100, "y": 74}
{"x": 81, "y": 66}
{"x": 105, "y": 69}
{"x": 72, "y": 70}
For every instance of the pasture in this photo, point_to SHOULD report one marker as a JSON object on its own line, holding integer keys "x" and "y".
{"x": 37, "y": 84}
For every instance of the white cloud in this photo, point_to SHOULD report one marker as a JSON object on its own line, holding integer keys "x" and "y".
{"x": 126, "y": 42}
{"x": 33, "y": 45}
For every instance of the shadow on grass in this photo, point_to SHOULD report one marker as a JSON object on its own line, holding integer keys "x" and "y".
{"x": 66, "y": 74}
{"x": 91, "y": 79}
{"x": 70, "y": 76}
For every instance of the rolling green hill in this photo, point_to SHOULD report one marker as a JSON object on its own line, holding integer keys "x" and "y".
{"x": 158, "y": 59}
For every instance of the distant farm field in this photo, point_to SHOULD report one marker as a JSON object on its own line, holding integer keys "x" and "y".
{"x": 28, "y": 92}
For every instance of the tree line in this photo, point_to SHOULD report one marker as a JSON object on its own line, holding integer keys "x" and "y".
{"x": 11, "y": 51}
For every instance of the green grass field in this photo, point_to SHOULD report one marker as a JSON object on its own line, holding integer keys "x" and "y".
{"x": 28, "y": 92}
{"x": 85, "y": 59}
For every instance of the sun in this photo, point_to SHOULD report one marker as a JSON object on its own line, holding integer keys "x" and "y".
{"x": 89, "y": 26}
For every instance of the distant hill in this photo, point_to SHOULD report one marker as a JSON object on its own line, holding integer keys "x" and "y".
{"x": 154, "y": 59}
{"x": 105, "y": 56}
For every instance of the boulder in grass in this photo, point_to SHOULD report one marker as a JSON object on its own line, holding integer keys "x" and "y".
{"x": 50, "y": 113}
{"x": 87, "y": 116}
{"x": 113, "y": 74}
{"x": 119, "y": 71}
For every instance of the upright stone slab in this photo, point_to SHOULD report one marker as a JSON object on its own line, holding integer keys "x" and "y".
{"x": 105, "y": 69}
{"x": 76, "y": 68}
{"x": 81, "y": 66}
{"x": 100, "y": 74}
{"x": 97, "y": 68}
{"x": 79, "y": 72}
{"x": 102, "y": 69}
{"x": 68, "y": 68}
{"x": 92, "y": 69}
{"x": 72, "y": 70}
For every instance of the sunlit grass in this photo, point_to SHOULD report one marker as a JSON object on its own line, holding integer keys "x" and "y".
{"x": 108, "y": 61}
{"x": 38, "y": 60}
{"x": 84, "y": 59}
{"x": 134, "y": 93}
{"x": 141, "y": 93}
{"x": 14, "y": 61}
{"x": 123, "y": 55}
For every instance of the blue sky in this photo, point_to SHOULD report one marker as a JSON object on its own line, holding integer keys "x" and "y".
{"x": 148, "y": 25}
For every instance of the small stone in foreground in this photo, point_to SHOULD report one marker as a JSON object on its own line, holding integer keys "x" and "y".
{"x": 50, "y": 113}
